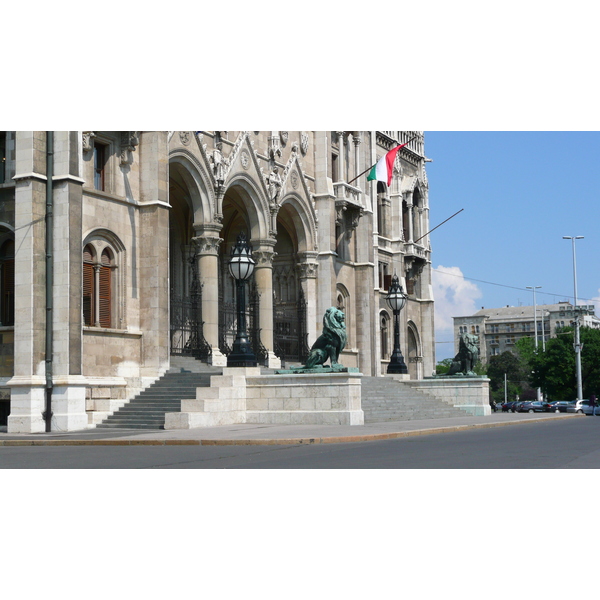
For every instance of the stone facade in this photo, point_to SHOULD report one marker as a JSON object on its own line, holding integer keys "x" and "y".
{"x": 143, "y": 227}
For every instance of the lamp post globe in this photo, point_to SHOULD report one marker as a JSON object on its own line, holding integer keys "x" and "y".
{"x": 241, "y": 267}
{"x": 396, "y": 300}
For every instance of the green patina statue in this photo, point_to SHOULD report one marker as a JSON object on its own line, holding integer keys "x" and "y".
{"x": 328, "y": 347}
{"x": 331, "y": 342}
{"x": 468, "y": 355}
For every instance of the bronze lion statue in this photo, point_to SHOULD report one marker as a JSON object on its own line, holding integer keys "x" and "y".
{"x": 468, "y": 354}
{"x": 331, "y": 342}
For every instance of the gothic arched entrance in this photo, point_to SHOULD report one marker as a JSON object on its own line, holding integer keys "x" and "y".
{"x": 186, "y": 323}
{"x": 414, "y": 354}
{"x": 240, "y": 214}
{"x": 289, "y": 304}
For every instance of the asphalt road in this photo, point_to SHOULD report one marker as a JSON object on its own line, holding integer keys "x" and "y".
{"x": 565, "y": 444}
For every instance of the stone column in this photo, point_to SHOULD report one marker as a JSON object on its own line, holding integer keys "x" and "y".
{"x": 420, "y": 231}
{"x": 325, "y": 207}
{"x": 68, "y": 393}
{"x": 342, "y": 170}
{"x": 207, "y": 242}
{"x": 307, "y": 271}
{"x": 153, "y": 263}
{"x": 27, "y": 386}
{"x": 357, "y": 140}
{"x": 263, "y": 253}
{"x": 409, "y": 205}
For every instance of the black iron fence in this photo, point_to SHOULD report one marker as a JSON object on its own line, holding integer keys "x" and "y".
{"x": 289, "y": 330}
{"x": 186, "y": 327}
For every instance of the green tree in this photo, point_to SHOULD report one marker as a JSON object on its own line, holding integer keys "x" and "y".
{"x": 513, "y": 367}
{"x": 443, "y": 366}
{"x": 553, "y": 370}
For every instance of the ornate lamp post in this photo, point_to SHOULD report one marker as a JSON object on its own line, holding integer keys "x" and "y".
{"x": 396, "y": 300}
{"x": 241, "y": 267}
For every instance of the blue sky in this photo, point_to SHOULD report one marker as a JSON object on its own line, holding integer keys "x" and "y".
{"x": 521, "y": 193}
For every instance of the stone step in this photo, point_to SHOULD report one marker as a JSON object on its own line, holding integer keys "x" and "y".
{"x": 105, "y": 425}
{"x": 384, "y": 399}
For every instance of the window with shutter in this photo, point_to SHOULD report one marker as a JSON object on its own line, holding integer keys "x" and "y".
{"x": 99, "y": 286}
{"x": 104, "y": 296}
{"x": 88, "y": 294}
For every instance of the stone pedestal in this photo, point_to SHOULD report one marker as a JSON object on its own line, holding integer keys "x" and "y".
{"x": 68, "y": 404}
{"x": 223, "y": 403}
{"x": 469, "y": 393}
{"x": 243, "y": 395}
{"x": 305, "y": 399}
{"x": 27, "y": 403}
{"x": 398, "y": 376}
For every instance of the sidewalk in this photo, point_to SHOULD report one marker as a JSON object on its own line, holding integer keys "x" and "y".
{"x": 274, "y": 434}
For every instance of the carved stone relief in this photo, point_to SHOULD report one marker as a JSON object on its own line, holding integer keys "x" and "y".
{"x": 245, "y": 160}
{"x": 88, "y": 137}
{"x": 295, "y": 179}
{"x": 304, "y": 142}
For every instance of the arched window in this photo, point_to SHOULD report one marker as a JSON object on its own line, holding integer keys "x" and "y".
{"x": 99, "y": 267}
{"x": 7, "y": 282}
{"x": 385, "y": 336}
{"x": 343, "y": 304}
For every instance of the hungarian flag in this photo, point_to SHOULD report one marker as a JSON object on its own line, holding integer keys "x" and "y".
{"x": 383, "y": 169}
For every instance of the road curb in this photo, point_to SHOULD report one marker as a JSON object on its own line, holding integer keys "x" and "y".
{"x": 373, "y": 437}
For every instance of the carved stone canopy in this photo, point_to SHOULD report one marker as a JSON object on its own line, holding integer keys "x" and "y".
{"x": 129, "y": 142}
{"x": 413, "y": 266}
{"x": 348, "y": 215}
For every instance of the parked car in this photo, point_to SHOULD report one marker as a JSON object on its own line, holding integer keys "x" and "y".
{"x": 560, "y": 405}
{"x": 590, "y": 410}
{"x": 577, "y": 406}
{"x": 518, "y": 405}
{"x": 534, "y": 406}
{"x": 509, "y": 406}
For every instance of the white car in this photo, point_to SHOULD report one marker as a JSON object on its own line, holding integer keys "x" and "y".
{"x": 582, "y": 406}
{"x": 590, "y": 410}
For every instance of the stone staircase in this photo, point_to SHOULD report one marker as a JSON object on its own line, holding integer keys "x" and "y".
{"x": 384, "y": 399}
{"x": 147, "y": 410}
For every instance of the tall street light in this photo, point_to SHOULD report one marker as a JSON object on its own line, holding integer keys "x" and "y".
{"x": 577, "y": 344}
{"x": 536, "y": 287}
{"x": 241, "y": 267}
{"x": 396, "y": 299}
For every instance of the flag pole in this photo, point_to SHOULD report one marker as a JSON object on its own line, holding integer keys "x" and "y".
{"x": 369, "y": 168}
{"x": 438, "y": 225}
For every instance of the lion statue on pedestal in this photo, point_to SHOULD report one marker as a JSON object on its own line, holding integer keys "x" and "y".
{"x": 468, "y": 355}
{"x": 331, "y": 342}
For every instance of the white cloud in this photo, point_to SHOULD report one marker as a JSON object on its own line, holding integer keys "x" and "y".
{"x": 454, "y": 297}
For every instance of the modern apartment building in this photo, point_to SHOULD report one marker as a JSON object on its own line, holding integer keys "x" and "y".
{"x": 499, "y": 328}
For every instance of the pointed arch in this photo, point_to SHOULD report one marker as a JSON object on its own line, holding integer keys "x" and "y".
{"x": 243, "y": 196}
{"x": 188, "y": 172}
{"x": 299, "y": 211}
{"x": 414, "y": 350}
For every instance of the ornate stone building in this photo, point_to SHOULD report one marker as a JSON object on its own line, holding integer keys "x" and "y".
{"x": 123, "y": 239}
